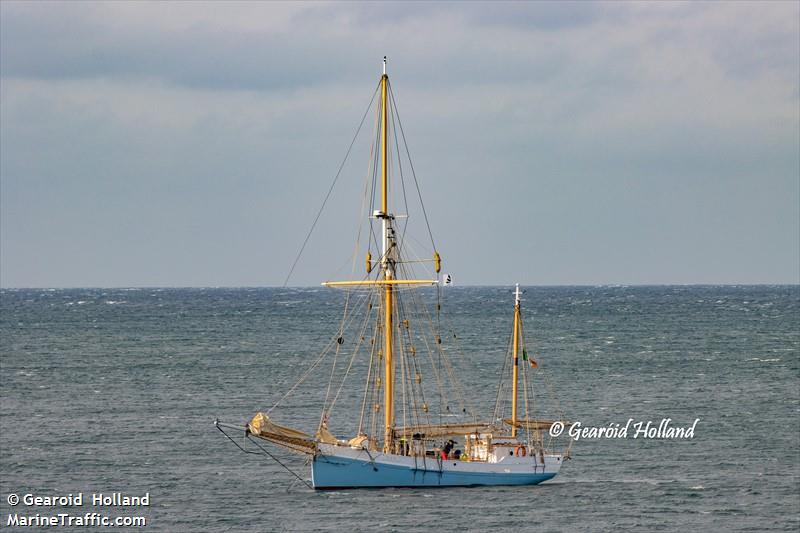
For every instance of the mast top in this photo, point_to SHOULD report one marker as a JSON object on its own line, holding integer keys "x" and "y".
{"x": 516, "y": 295}
{"x": 384, "y": 65}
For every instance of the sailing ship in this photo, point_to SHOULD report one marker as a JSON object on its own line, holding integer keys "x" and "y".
{"x": 410, "y": 432}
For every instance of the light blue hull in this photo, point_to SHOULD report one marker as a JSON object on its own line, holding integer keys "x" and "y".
{"x": 329, "y": 472}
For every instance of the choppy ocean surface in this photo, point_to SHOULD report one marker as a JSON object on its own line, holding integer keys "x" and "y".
{"x": 115, "y": 390}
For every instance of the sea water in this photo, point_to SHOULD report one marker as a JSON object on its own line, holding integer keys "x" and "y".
{"x": 114, "y": 391}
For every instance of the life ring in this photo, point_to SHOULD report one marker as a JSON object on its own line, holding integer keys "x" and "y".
{"x": 521, "y": 451}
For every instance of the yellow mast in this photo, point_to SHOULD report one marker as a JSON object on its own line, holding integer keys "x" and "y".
{"x": 387, "y": 280}
{"x": 388, "y": 390}
{"x": 516, "y": 365}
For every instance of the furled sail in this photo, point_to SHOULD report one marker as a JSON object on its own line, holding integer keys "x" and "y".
{"x": 261, "y": 426}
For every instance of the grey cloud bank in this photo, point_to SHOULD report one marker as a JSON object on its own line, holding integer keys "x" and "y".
{"x": 556, "y": 143}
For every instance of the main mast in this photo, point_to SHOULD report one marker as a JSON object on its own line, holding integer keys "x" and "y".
{"x": 388, "y": 279}
{"x": 387, "y": 265}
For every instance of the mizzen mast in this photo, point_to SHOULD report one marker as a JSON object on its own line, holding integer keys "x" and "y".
{"x": 515, "y": 377}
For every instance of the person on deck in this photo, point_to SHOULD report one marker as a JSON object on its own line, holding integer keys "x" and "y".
{"x": 446, "y": 450}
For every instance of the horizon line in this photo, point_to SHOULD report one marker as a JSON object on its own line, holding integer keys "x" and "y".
{"x": 452, "y": 286}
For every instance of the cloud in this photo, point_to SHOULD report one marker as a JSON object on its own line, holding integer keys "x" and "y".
{"x": 578, "y": 123}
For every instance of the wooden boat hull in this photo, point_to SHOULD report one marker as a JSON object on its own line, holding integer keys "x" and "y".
{"x": 355, "y": 469}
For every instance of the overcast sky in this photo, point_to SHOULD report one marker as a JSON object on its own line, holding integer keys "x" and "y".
{"x": 191, "y": 144}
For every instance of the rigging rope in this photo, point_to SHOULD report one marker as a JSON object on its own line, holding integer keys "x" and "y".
{"x": 411, "y": 163}
{"x": 352, "y": 359}
{"x": 499, "y": 404}
{"x": 331, "y": 343}
{"x": 330, "y": 190}
{"x": 402, "y": 180}
{"x": 369, "y": 378}
{"x": 247, "y": 434}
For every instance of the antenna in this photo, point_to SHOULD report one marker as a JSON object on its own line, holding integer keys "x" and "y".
{"x": 384, "y": 65}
